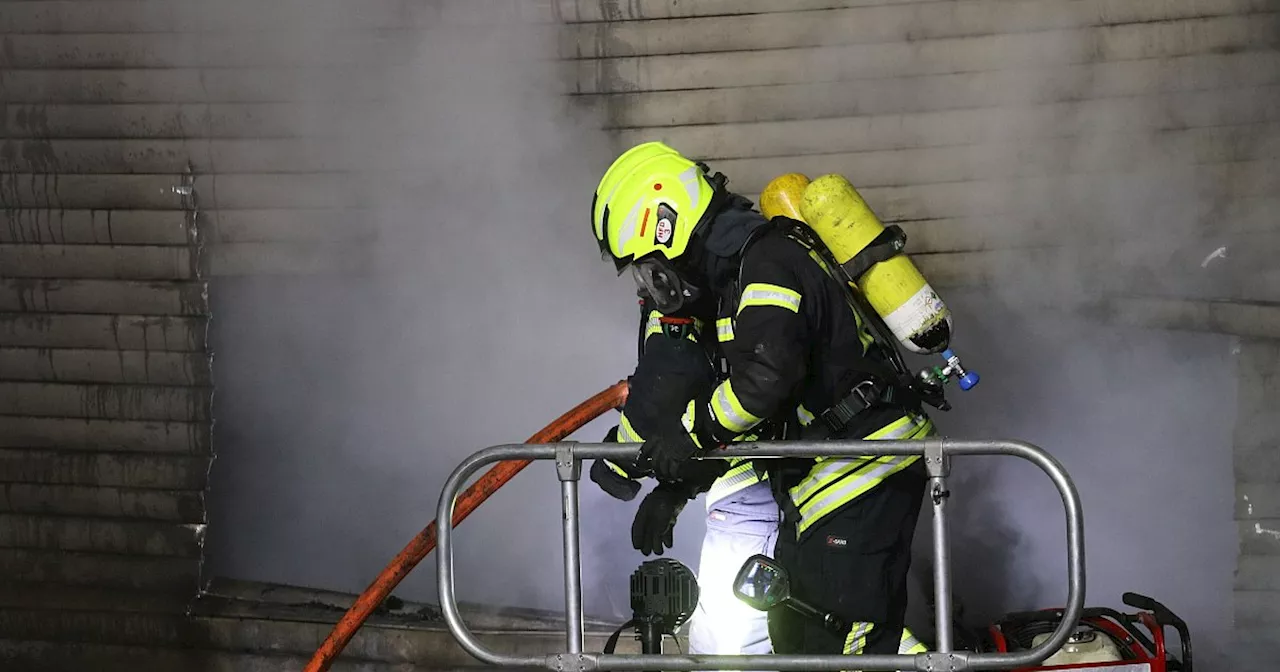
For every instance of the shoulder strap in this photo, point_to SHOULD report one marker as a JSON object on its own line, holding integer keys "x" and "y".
{"x": 882, "y": 337}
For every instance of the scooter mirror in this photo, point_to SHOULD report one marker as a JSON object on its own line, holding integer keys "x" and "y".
{"x": 762, "y": 583}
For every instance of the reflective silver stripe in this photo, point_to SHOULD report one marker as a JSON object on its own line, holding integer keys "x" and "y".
{"x": 737, "y": 478}
{"x": 729, "y": 411}
{"x": 857, "y": 640}
{"x": 692, "y": 184}
{"x": 628, "y": 230}
{"x": 652, "y": 326}
{"x": 627, "y": 433}
{"x": 763, "y": 294}
{"x": 828, "y": 470}
{"x": 724, "y": 329}
{"x": 850, "y": 487}
{"x": 686, "y": 419}
{"x": 909, "y": 643}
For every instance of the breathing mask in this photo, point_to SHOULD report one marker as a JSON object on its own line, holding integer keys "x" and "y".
{"x": 657, "y": 278}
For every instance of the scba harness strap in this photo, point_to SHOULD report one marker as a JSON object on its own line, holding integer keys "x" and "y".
{"x": 891, "y": 241}
{"x": 883, "y": 379}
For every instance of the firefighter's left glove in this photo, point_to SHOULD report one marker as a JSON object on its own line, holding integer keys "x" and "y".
{"x": 654, "y": 526}
{"x": 613, "y": 480}
{"x": 668, "y": 453}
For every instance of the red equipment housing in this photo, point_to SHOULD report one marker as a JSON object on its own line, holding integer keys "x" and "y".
{"x": 1139, "y": 637}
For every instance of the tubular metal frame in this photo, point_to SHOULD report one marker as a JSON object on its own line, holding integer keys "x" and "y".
{"x": 937, "y": 452}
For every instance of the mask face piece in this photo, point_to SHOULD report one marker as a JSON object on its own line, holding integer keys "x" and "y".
{"x": 657, "y": 279}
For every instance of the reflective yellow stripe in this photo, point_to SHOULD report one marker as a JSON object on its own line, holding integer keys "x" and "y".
{"x": 653, "y": 326}
{"x": 856, "y": 642}
{"x": 616, "y": 469}
{"x": 763, "y": 294}
{"x": 805, "y": 416}
{"x": 690, "y": 412}
{"x": 728, "y": 410}
{"x": 627, "y": 433}
{"x": 739, "y": 476}
{"x": 828, "y": 471}
{"x": 910, "y": 644}
{"x": 686, "y": 420}
{"x": 846, "y": 483}
{"x": 724, "y": 329}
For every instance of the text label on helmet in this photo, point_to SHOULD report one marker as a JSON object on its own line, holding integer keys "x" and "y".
{"x": 663, "y": 233}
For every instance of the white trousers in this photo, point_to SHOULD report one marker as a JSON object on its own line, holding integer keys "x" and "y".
{"x": 738, "y": 526}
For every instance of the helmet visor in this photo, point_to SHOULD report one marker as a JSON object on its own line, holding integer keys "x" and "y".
{"x": 658, "y": 280}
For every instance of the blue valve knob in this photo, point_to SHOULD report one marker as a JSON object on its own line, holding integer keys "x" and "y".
{"x": 968, "y": 379}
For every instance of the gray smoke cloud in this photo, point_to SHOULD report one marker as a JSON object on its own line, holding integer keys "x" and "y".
{"x": 1106, "y": 197}
{"x": 344, "y": 402}
{"x": 1142, "y": 420}
{"x": 485, "y": 312}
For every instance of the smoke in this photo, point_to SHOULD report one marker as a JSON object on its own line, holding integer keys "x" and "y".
{"x": 1093, "y": 201}
{"x": 1141, "y": 420}
{"x": 484, "y": 311}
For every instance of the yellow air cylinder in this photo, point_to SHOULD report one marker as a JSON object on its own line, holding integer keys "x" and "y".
{"x": 896, "y": 290}
{"x": 782, "y": 196}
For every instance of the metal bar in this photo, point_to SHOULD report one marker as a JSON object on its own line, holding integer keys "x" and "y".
{"x": 580, "y": 662}
{"x": 444, "y": 547}
{"x": 939, "y": 467}
{"x": 569, "y": 470}
{"x": 782, "y": 663}
{"x": 1075, "y": 549}
{"x": 941, "y": 567}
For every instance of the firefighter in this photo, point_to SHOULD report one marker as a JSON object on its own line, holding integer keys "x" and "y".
{"x": 678, "y": 360}
{"x": 802, "y": 355}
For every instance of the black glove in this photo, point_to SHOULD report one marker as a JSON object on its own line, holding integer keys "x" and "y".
{"x": 654, "y": 526}
{"x": 667, "y": 454}
{"x": 617, "y": 485}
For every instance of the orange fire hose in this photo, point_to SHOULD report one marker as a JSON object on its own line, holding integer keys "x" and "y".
{"x": 472, "y": 497}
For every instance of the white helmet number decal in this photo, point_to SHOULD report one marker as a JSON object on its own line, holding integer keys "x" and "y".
{"x": 664, "y": 230}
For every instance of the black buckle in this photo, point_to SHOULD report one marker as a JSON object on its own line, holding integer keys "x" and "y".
{"x": 863, "y": 395}
{"x": 883, "y": 247}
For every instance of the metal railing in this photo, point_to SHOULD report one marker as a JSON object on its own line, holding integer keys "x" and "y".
{"x": 936, "y": 452}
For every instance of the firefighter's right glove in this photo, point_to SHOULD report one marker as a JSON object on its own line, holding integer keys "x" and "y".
{"x": 667, "y": 454}
{"x": 654, "y": 526}
{"x": 613, "y": 479}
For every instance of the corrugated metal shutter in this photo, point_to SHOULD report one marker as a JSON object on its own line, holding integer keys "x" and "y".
{"x": 980, "y": 126}
{"x": 105, "y": 380}
{"x": 147, "y": 146}
{"x": 109, "y": 109}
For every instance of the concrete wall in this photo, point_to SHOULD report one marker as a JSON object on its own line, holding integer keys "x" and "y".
{"x": 1257, "y": 467}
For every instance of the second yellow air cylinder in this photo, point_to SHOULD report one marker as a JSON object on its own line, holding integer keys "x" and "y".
{"x": 895, "y": 288}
